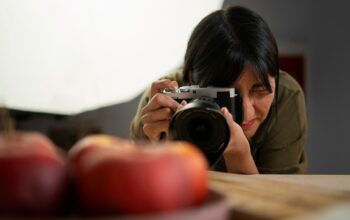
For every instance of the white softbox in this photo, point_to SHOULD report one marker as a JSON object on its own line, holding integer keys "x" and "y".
{"x": 69, "y": 56}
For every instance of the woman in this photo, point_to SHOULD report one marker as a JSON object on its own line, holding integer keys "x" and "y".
{"x": 234, "y": 47}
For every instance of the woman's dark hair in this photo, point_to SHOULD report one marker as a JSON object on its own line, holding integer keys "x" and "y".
{"x": 224, "y": 42}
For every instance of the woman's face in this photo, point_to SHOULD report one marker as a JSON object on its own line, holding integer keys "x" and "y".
{"x": 257, "y": 100}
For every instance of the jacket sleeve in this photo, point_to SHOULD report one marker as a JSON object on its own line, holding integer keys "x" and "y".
{"x": 283, "y": 150}
{"x": 136, "y": 126}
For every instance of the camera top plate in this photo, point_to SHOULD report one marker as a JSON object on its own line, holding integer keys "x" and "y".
{"x": 194, "y": 91}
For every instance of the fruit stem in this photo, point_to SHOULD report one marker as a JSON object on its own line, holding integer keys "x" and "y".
{"x": 7, "y": 123}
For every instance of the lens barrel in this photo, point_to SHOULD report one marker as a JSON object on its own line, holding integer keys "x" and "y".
{"x": 201, "y": 123}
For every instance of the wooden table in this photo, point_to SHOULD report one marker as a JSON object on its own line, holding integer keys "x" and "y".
{"x": 284, "y": 196}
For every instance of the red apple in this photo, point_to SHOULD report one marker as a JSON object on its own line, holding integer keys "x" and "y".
{"x": 89, "y": 144}
{"x": 32, "y": 175}
{"x": 142, "y": 178}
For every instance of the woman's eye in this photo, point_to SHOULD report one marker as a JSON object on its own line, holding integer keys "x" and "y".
{"x": 259, "y": 92}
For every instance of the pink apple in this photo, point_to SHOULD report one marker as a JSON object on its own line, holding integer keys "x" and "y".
{"x": 32, "y": 175}
{"x": 141, "y": 178}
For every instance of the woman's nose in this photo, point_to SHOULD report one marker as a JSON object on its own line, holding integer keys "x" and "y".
{"x": 248, "y": 109}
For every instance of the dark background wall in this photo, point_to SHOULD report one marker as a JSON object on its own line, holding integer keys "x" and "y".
{"x": 318, "y": 29}
{"x": 65, "y": 130}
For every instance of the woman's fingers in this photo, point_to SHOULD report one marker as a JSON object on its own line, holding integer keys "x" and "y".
{"x": 238, "y": 142}
{"x": 160, "y": 101}
{"x": 235, "y": 130}
{"x": 162, "y": 84}
{"x": 157, "y": 115}
{"x": 229, "y": 118}
{"x": 182, "y": 104}
{"x": 154, "y": 129}
{"x": 237, "y": 155}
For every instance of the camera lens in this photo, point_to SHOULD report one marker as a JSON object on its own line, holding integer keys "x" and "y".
{"x": 201, "y": 123}
{"x": 200, "y": 128}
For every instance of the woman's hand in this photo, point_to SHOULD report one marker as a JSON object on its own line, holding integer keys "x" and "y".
{"x": 156, "y": 115}
{"x": 237, "y": 154}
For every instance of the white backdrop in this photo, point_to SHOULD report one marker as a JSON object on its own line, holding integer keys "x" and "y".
{"x": 68, "y": 56}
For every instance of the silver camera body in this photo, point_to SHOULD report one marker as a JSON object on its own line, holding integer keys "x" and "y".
{"x": 194, "y": 91}
{"x": 201, "y": 121}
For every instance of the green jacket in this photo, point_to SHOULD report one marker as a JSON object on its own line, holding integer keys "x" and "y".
{"x": 278, "y": 145}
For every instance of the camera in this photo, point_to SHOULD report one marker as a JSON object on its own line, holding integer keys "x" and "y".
{"x": 201, "y": 121}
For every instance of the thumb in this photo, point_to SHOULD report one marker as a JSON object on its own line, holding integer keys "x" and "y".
{"x": 182, "y": 104}
{"x": 229, "y": 118}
